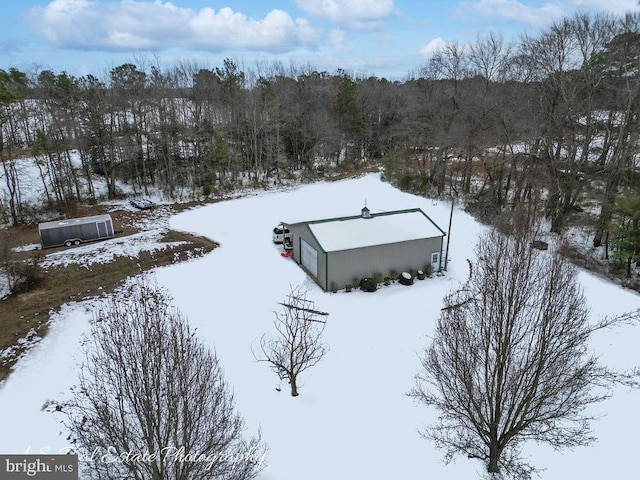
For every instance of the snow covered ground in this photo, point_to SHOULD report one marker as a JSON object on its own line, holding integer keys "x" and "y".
{"x": 352, "y": 418}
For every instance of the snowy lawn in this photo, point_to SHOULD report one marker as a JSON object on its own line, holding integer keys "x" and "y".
{"x": 352, "y": 418}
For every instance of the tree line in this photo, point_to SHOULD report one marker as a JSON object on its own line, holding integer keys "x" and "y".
{"x": 538, "y": 120}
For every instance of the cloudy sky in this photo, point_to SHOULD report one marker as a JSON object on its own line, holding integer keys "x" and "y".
{"x": 385, "y": 38}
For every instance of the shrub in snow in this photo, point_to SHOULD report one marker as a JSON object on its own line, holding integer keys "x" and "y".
{"x": 405, "y": 278}
{"x": 24, "y": 276}
{"x": 368, "y": 285}
{"x": 421, "y": 275}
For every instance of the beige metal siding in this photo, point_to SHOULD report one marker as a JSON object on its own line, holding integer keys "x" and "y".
{"x": 349, "y": 266}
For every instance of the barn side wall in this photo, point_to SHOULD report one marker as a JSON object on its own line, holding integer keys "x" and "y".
{"x": 299, "y": 231}
{"x": 350, "y": 266}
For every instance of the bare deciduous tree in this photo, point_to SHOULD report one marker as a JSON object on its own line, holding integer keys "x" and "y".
{"x": 509, "y": 361}
{"x": 298, "y": 344}
{"x": 153, "y": 397}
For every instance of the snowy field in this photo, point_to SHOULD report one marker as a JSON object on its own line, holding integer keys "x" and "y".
{"x": 352, "y": 418}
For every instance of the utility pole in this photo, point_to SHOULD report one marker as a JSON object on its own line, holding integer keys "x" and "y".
{"x": 446, "y": 258}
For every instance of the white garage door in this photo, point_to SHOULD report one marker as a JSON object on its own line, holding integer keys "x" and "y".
{"x": 309, "y": 257}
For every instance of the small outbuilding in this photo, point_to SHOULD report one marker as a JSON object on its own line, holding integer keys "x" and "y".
{"x": 337, "y": 252}
{"x": 74, "y": 231}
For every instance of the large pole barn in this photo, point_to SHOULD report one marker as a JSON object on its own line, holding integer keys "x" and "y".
{"x": 337, "y": 252}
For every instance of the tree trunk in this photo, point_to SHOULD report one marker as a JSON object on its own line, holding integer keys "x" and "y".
{"x": 494, "y": 458}
{"x": 294, "y": 386}
{"x": 606, "y": 210}
{"x": 11, "y": 179}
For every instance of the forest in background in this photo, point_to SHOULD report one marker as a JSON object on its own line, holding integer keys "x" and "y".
{"x": 549, "y": 122}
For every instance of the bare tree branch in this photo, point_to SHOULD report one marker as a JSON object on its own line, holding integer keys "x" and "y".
{"x": 310, "y": 310}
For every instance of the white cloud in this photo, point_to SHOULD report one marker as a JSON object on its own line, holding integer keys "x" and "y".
{"x": 359, "y": 14}
{"x": 276, "y": 31}
{"x": 612, "y": 6}
{"x": 137, "y": 25}
{"x": 434, "y": 45}
{"x": 538, "y": 14}
{"x": 337, "y": 39}
{"x": 515, "y": 11}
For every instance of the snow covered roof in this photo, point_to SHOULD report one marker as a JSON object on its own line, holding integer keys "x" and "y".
{"x": 378, "y": 229}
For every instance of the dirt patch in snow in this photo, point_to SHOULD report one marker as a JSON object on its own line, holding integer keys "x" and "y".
{"x": 71, "y": 274}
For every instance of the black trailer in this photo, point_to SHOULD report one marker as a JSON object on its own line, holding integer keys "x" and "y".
{"x": 74, "y": 231}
